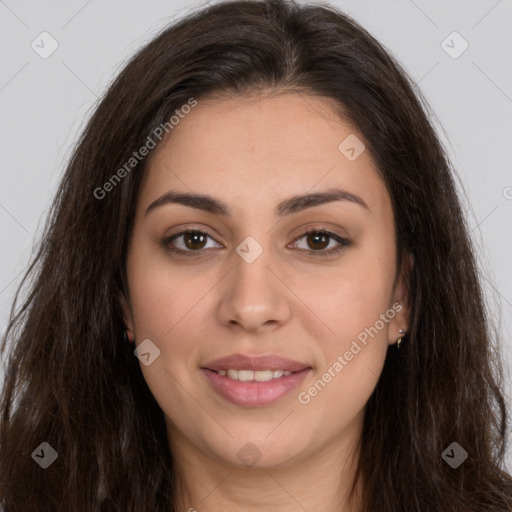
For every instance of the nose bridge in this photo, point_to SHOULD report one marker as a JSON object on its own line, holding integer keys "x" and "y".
{"x": 252, "y": 264}
{"x": 252, "y": 277}
{"x": 255, "y": 296}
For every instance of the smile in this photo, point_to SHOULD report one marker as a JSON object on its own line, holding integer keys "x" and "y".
{"x": 242, "y": 387}
{"x": 249, "y": 375}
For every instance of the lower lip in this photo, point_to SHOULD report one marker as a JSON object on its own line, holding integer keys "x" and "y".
{"x": 254, "y": 393}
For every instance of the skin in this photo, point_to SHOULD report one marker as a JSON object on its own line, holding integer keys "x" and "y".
{"x": 289, "y": 301}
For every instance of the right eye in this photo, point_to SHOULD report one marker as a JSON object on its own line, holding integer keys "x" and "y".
{"x": 193, "y": 241}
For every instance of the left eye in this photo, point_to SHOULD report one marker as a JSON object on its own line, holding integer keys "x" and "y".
{"x": 318, "y": 237}
{"x": 195, "y": 240}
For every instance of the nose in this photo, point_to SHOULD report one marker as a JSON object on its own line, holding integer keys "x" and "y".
{"x": 255, "y": 297}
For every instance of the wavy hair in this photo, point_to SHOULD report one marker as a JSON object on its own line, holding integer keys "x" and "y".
{"x": 73, "y": 382}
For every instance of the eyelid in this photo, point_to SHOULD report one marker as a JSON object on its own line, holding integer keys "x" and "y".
{"x": 342, "y": 242}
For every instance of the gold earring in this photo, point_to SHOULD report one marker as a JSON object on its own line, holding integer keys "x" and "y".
{"x": 399, "y": 340}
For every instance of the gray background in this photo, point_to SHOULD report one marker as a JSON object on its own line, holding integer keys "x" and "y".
{"x": 44, "y": 104}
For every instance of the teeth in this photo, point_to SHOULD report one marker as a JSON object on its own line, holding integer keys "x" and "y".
{"x": 250, "y": 375}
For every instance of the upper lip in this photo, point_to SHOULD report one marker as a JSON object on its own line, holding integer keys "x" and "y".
{"x": 265, "y": 362}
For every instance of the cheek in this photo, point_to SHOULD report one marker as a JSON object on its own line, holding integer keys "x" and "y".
{"x": 152, "y": 304}
{"x": 168, "y": 304}
{"x": 355, "y": 305}
{"x": 164, "y": 309}
{"x": 162, "y": 295}
{"x": 349, "y": 299}
{"x": 358, "y": 311}
{"x": 352, "y": 358}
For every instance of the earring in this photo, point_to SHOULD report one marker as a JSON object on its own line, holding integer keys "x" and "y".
{"x": 399, "y": 340}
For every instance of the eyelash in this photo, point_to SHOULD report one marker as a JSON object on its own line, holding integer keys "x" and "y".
{"x": 343, "y": 242}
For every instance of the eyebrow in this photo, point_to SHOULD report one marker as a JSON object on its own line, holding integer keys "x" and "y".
{"x": 289, "y": 206}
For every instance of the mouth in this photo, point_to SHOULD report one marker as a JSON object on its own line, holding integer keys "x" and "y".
{"x": 262, "y": 363}
{"x": 252, "y": 375}
{"x": 251, "y": 388}
{"x": 254, "y": 381}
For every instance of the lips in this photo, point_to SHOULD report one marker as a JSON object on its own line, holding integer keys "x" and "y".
{"x": 254, "y": 394}
{"x": 255, "y": 363}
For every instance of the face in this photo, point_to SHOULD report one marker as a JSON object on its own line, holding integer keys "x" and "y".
{"x": 251, "y": 281}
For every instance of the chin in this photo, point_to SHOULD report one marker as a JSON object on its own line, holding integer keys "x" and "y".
{"x": 259, "y": 453}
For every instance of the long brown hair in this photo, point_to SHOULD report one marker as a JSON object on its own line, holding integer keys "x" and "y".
{"x": 73, "y": 382}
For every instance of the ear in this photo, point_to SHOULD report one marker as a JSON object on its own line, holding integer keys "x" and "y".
{"x": 401, "y": 301}
{"x": 127, "y": 317}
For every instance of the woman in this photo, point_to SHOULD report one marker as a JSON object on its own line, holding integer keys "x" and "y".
{"x": 256, "y": 290}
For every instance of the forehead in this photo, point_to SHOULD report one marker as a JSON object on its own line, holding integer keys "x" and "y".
{"x": 263, "y": 149}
